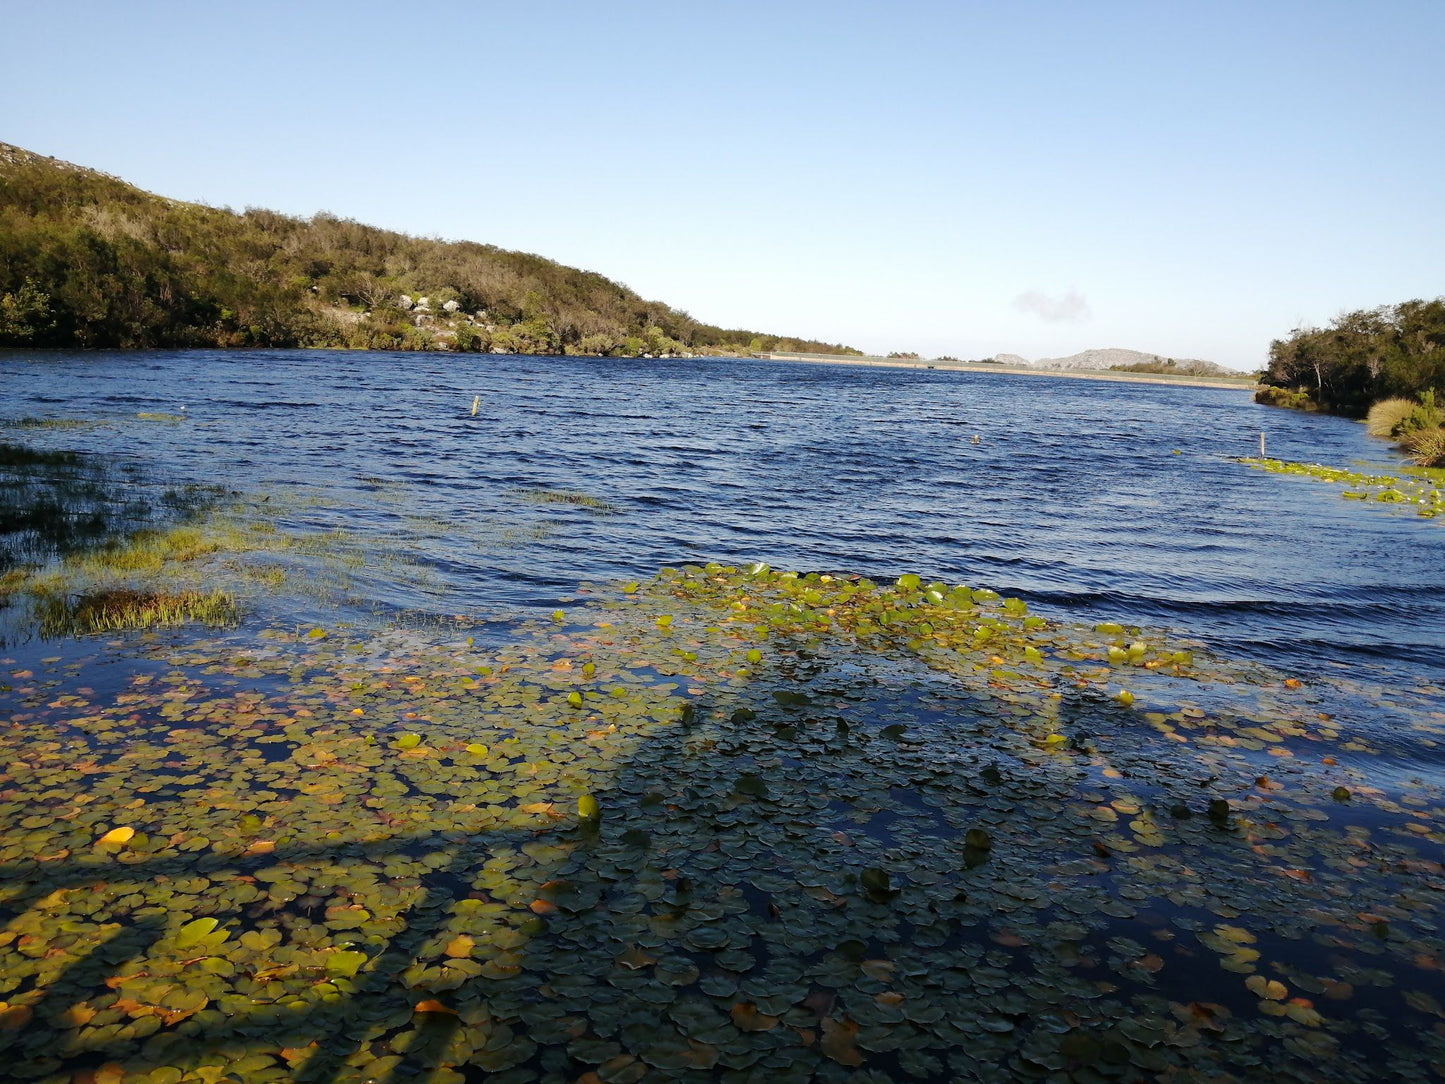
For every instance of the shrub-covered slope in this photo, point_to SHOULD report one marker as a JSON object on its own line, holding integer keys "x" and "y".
{"x": 88, "y": 260}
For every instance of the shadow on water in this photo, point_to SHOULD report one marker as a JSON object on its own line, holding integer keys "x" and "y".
{"x": 323, "y": 1034}
{"x": 825, "y": 864}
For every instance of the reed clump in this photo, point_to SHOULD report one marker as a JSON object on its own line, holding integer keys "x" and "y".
{"x": 1427, "y": 447}
{"x": 118, "y": 609}
{"x": 149, "y": 551}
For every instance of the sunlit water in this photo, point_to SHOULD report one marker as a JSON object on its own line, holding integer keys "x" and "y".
{"x": 1105, "y": 500}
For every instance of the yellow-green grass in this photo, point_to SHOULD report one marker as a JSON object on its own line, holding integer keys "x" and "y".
{"x": 1386, "y": 415}
{"x": 117, "y": 609}
{"x": 565, "y": 496}
{"x": 1426, "y": 447}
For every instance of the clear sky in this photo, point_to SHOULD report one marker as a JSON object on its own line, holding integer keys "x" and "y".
{"x": 1189, "y": 179}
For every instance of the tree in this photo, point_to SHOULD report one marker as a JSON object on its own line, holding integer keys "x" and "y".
{"x": 25, "y": 316}
{"x": 1363, "y": 357}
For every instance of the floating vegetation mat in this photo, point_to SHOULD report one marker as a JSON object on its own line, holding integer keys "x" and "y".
{"x": 1422, "y": 488}
{"x": 728, "y": 824}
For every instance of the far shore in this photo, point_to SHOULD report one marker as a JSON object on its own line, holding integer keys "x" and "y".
{"x": 1243, "y": 382}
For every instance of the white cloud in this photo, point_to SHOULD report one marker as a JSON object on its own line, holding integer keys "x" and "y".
{"x": 1071, "y": 308}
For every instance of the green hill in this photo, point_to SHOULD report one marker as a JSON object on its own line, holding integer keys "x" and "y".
{"x": 87, "y": 260}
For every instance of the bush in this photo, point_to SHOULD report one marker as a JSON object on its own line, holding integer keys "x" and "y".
{"x": 1385, "y": 416}
{"x": 1293, "y": 398}
{"x": 1426, "y": 447}
{"x": 1425, "y": 415}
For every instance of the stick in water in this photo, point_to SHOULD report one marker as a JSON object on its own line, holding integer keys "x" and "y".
{"x": 477, "y": 400}
{"x": 1261, "y": 439}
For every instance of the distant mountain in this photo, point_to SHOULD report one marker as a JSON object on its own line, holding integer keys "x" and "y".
{"x": 88, "y": 260}
{"x": 1132, "y": 361}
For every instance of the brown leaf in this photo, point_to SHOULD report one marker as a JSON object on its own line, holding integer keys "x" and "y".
{"x": 432, "y": 1005}
{"x": 839, "y": 1041}
{"x": 1202, "y": 1014}
{"x": 747, "y": 1018}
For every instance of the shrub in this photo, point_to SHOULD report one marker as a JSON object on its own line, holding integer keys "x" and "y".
{"x": 1426, "y": 447}
{"x": 1386, "y": 415}
{"x": 1294, "y": 398}
{"x": 1424, "y": 415}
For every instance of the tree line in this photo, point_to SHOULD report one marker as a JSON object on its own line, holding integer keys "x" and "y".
{"x": 1394, "y": 351}
{"x": 87, "y": 260}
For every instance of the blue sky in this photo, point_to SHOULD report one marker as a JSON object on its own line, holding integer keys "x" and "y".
{"x": 952, "y": 178}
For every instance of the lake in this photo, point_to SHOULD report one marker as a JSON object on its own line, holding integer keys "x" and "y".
{"x": 1240, "y": 787}
{"x": 1095, "y": 499}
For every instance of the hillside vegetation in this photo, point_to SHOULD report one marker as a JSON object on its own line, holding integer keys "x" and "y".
{"x": 1387, "y": 362}
{"x": 1116, "y": 359}
{"x": 87, "y": 260}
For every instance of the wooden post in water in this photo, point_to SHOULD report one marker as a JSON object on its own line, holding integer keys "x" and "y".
{"x": 1261, "y": 440}
{"x": 477, "y": 401}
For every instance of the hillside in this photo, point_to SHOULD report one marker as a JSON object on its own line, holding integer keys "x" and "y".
{"x": 1133, "y": 361}
{"x": 87, "y": 260}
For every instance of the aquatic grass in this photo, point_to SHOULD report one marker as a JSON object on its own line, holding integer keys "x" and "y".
{"x": 12, "y": 580}
{"x": 572, "y": 497}
{"x": 21, "y": 455}
{"x": 120, "y": 609}
{"x": 160, "y": 416}
{"x": 47, "y": 423}
{"x": 145, "y": 551}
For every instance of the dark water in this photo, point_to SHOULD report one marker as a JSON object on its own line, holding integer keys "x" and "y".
{"x": 1074, "y": 498}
